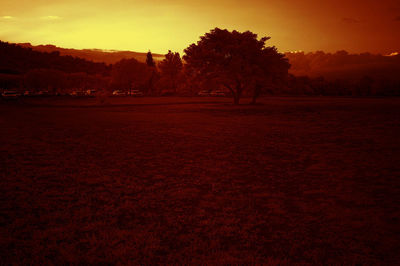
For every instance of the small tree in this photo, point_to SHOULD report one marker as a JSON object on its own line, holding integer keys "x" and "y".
{"x": 129, "y": 73}
{"x": 170, "y": 69}
{"x": 154, "y": 75}
{"x": 149, "y": 59}
{"x": 238, "y": 61}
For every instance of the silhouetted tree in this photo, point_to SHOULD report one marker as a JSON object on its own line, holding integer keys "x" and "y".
{"x": 154, "y": 75}
{"x": 130, "y": 73}
{"x": 272, "y": 71}
{"x": 190, "y": 83}
{"x": 149, "y": 60}
{"x": 10, "y": 81}
{"x": 237, "y": 60}
{"x": 170, "y": 69}
{"x": 49, "y": 80}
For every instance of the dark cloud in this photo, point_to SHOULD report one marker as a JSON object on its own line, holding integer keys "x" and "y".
{"x": 350, "y": 20}
{"x": 397, "y": 18}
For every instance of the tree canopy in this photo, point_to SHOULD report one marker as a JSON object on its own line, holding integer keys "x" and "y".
{"x": 239, "y": 61}
{"x": 170, "y": 69}
{"x": 15, "y": 59}
{"x": 130, "y": 73}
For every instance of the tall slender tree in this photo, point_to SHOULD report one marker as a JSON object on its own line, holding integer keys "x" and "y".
{"x": 152, "y": 65}
{"x": 149, "y": 59}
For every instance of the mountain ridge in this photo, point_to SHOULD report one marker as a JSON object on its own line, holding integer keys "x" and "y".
{"x": 95, "y": 55}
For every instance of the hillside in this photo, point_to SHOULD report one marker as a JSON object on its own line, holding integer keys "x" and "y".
{"x": 342, "y": 65}
{"x": 16, "y": 59}
{"x": 95, "y": 55}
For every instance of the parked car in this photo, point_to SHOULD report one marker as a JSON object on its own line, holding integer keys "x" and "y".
{"x": 90, "y": 92}
{"x": 136, "y": 93}
{"x": 43, "y": 93}
{"x": 118, "y": 93}
{"x": 77, "y": 93}
{"x": 217, "y": 94}
{"x": 8, "y": 94}
{"x": 204, "y": 93}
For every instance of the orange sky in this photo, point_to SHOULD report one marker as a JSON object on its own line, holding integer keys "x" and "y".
{"x": 308, "y": 25}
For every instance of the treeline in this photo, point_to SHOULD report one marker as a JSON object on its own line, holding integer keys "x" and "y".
{"x": 18, "y": 60}
{"x": 164, "y": 78}
{"x": 233, "y": 68}
{"x": 25, "y": 69}
{"x": 22, "y": 68}
{"x": 363, "y": 86}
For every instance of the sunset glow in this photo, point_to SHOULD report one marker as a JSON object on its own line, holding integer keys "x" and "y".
{"x": 199, "y": 132}
{"x": 356, "y": 26}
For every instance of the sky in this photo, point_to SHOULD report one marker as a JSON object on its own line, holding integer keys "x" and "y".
{"x": 161, "y": 25}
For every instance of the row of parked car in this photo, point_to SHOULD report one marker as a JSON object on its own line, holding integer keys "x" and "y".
{"x": 136, "y": 93}
{"x": 10, "y": 94}
{"x": 15, "y": 94}
{"x": 206, "y": 93}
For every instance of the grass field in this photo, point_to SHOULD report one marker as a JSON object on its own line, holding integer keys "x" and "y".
{"x": 197, "y": 180}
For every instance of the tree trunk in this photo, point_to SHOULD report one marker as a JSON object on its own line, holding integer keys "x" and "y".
{"x": 254, "y": 100}
{"x": 256, "y": 94}
{"x": 149, "y": 89}
{"x": 236, "y": 99}
{"x": 238, "y": 94}
{"x": 235, "y": 94}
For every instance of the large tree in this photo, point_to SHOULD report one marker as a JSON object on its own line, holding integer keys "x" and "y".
{"x": 271, "y": 73}
{"x": 237, "y": 60}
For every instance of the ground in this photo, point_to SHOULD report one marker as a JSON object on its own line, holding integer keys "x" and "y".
{"x": 198, "y": 180}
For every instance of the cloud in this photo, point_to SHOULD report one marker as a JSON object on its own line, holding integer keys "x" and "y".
{"x": 7, "y": 17}
{"x": 50, "y": 17}
{"x": 397, "y": 18}
{"x": 350, "y": 20}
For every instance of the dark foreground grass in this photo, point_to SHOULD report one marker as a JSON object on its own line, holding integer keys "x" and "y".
{"x": 291, "y": 181}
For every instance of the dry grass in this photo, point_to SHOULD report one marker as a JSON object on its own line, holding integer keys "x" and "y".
{"x": 174, "y": 180}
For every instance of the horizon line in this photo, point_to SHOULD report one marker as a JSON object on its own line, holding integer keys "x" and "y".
{"x": 106, "y": 50}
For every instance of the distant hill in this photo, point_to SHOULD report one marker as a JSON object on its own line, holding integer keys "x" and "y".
{"x": 342, "y": 65}
{"x": 95, "y": 55}
{"x": 16, "y": 59}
